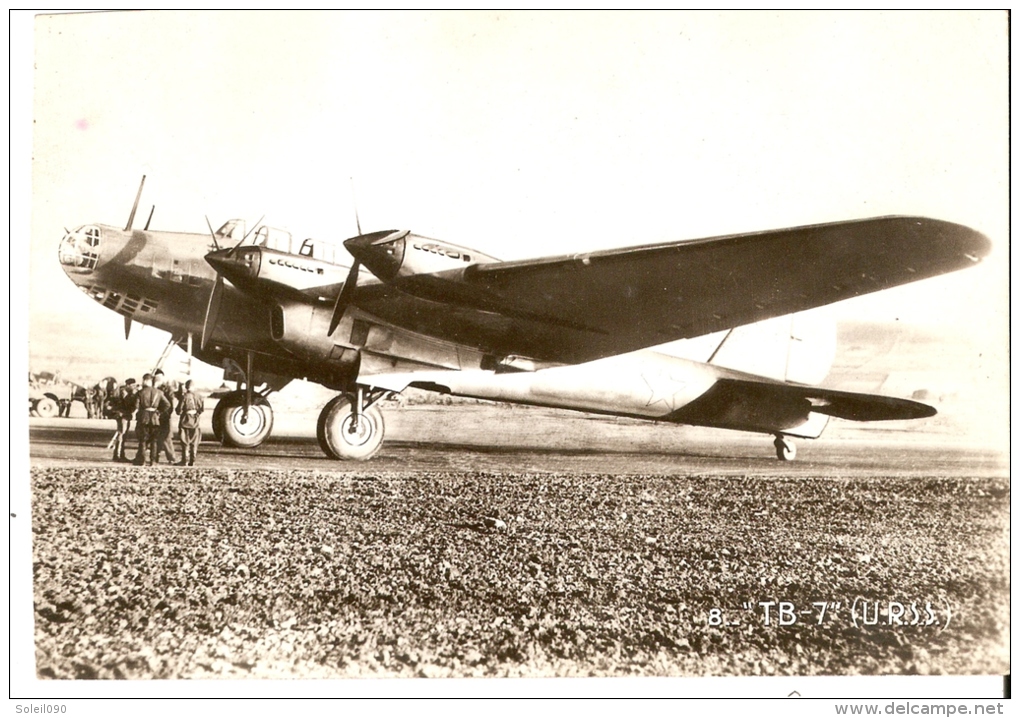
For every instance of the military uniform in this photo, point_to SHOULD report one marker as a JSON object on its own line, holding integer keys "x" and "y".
{"x": 93, "y": 404}
{"x": 166, "y": 442}
{"x": 121, "y": 406}
{"x": 151, "y": 405}
{"x": 190, "y": 408}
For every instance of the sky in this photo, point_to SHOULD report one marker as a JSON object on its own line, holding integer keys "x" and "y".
{"x": 519, "y": 134}
{"x": 525, "y": 135}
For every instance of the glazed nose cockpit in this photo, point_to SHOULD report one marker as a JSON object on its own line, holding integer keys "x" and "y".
{"x": 79, "y": 250}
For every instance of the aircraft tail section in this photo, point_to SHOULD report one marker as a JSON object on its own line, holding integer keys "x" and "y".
{"x": 749, "y": 405}
{"x": 798, "y": 348}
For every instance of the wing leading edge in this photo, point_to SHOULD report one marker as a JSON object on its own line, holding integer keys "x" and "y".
{"x": 644, "y": 296}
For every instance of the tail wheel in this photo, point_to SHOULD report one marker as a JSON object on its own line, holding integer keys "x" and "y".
{"x": 241, "y": 431}
{"x": 342, "y": 438}
{"x": 786, "y": 450}
{"x": 47, "y": 408}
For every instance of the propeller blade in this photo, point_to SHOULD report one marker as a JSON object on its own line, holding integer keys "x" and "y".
{"x": 253, "y": 228}
{"x": 149, "y": 220}
{"x": 212, "y": 311}
{"x": 354, "y": 197}
{"x": 134, "y": 207}
{"x": 247, "y": 234}
{"x": 344, "y": 297}
{"x": 127, "y": 327}
{"x": 211, "y": 233}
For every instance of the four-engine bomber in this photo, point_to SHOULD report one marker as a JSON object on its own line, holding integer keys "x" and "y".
{"x": 608, "y": 332}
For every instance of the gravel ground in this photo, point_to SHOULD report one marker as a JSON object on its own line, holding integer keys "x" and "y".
{"x": 173, "y": 573}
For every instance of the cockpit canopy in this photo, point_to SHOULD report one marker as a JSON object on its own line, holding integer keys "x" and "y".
{"x": 280, "y": 240}
{"x": 232, "y": 229}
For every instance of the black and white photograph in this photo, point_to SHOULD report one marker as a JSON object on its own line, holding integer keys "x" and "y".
{"x": 603, "y": 347}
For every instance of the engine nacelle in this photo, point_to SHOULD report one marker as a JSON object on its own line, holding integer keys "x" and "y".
{"x": 361, "y": 343}
{"x": 300, "y": 329}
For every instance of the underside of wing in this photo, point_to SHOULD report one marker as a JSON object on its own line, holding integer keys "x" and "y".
{"x": 583, "y": 307}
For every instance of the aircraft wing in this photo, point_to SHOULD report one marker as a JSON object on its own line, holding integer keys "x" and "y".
{"x": 583, "y": 307}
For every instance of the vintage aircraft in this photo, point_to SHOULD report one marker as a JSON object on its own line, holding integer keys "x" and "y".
{"x": 589, "y": 332}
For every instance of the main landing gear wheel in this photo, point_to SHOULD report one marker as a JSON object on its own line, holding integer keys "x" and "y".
{"x": 786, "y": 450}
{"x": 217, "y": 419}
{"x": 234, "y": 398}
{"x": 234, "y": 429}
{"x": 342, "y": 438}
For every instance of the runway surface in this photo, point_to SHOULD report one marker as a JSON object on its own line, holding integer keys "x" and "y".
{"x": 498, "y": 439}
{"x": 488, "y": 541}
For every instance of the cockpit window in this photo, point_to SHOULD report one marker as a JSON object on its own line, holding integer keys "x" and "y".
{"x": 234, "y": 229}
{"x": 280, "y": 240}
{"x": 272, "y": 238}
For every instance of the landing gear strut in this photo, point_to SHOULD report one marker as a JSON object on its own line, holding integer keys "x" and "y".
{"x": 351, "y": 426}
{"x": 243, "y": 418}
{"x": 786, "y": 450}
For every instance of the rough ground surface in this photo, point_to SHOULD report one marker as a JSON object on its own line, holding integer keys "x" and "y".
{"x": 168, "y": 573}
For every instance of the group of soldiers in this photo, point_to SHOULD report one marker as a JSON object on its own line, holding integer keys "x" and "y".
{"x": 152, "y": 408}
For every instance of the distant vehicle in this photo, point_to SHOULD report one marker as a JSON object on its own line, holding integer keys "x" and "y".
{"x": 50, "y": 396}
{"x": 592, "y": 332}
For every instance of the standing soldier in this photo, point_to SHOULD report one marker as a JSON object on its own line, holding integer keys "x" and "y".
{"x": 190, "y": 408}
{"x": 90, "y": 402}
{"x": 121, "y": 406}
{"x": 109, "y": 406}
{"x": 166, "y": 443}
{"x": 109, "y": 386}
{"x": 151, "y": 404}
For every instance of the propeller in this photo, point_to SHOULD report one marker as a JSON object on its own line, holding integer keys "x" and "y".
{"x": 212, "y": 309}
{"x": 149, "y": 220}
{"x": 211, "y": 233}
{"x": 354, "y": 197}
{"x": 362, "y": 247}
{"x": 344, "y": 297}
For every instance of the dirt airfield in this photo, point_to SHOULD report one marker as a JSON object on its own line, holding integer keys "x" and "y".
{"x": 506, "y": 555}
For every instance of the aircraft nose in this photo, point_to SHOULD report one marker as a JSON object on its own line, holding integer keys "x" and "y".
{"x": 79, "y": 250}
